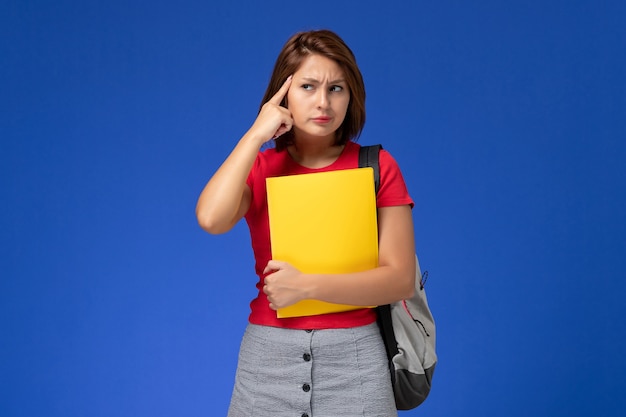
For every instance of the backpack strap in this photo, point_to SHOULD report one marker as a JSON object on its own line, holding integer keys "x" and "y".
{"x": 368, "y": 157}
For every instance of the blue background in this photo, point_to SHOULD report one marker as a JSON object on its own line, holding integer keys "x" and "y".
{"x": 508, "y": 119}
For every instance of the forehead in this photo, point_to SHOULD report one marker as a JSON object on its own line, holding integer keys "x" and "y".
{"x": 319, "y": 67}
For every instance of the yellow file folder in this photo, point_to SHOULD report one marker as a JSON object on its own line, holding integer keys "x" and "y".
{"x": 323, "y": 223}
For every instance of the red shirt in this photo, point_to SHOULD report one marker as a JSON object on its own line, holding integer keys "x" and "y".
{"x": 269, "y": 163}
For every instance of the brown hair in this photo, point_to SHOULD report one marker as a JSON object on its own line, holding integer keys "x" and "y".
{"x": 329, "y": 45}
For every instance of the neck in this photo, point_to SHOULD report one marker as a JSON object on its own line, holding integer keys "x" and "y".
{"x": 316, "y": 153}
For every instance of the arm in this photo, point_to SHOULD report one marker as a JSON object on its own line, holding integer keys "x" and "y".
{"x": 226, "y": 198}
{"x": 392, "y": 280}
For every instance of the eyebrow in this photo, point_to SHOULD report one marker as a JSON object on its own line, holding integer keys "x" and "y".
{"x": 313, "y": 80}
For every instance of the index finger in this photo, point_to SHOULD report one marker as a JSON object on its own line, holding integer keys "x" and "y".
{"x": 280, "y": 94}
{"x": 273, "y": 265}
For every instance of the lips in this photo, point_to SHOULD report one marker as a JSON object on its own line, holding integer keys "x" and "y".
{"x": 322, "y": 119}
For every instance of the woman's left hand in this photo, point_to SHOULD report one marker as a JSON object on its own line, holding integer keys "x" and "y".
{"x": 282, "y": 286}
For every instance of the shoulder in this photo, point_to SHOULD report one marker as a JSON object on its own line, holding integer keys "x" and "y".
{"x": 393, "y": 190}
{"x": 267, "y": 159}
{"x": 268, "y": 155}
{"x": 385, "y": 159}
{"x": 268, "y": 163}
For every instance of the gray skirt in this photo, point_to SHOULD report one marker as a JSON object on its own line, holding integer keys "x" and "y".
{"x": 318, "y": 373}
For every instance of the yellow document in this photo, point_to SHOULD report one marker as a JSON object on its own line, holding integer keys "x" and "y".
{"x": 323, "y": 223}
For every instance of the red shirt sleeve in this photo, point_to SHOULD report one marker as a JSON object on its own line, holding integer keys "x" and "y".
{"x": 392, "y": 191}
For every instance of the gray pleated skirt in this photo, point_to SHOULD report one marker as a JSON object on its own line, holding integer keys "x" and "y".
{"x": 318, "y": 373}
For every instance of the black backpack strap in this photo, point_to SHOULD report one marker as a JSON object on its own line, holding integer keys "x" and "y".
{"x": 368, "y": 157}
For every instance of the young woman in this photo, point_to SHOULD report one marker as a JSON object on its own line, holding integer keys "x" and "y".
{"x": 331, "y": 364}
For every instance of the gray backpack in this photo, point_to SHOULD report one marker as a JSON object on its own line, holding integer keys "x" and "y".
{"x": 407, "y": 327}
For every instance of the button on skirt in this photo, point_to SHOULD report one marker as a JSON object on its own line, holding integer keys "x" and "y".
{"x": 318, "y": 373}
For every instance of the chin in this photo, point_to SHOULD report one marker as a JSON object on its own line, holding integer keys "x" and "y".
{"x": 318, "y": 132}
{"x": 322, "y": 131}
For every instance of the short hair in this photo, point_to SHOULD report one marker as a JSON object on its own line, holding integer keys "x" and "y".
{"x": 328, "y": 44}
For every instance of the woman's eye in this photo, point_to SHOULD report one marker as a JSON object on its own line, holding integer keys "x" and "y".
{"x": 336, "y": 88}
{"x": 307, "y": 86}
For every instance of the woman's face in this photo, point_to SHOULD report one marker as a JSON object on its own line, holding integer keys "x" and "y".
{"x": 318, "y": 97}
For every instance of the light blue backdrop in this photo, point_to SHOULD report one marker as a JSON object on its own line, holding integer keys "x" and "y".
{"x": 508, "y": 119}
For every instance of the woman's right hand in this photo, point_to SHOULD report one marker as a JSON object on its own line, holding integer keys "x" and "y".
{"x": 273, "y": 119}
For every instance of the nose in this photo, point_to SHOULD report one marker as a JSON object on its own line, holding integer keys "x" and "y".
{"x": 323, "y": 99}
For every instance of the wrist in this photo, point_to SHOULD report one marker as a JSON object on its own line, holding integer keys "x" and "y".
{"x": 308, "y": 286}
{"x": 256, "y": 136}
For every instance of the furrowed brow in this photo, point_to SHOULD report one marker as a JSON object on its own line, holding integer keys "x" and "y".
{"x": 315, "y": 81}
